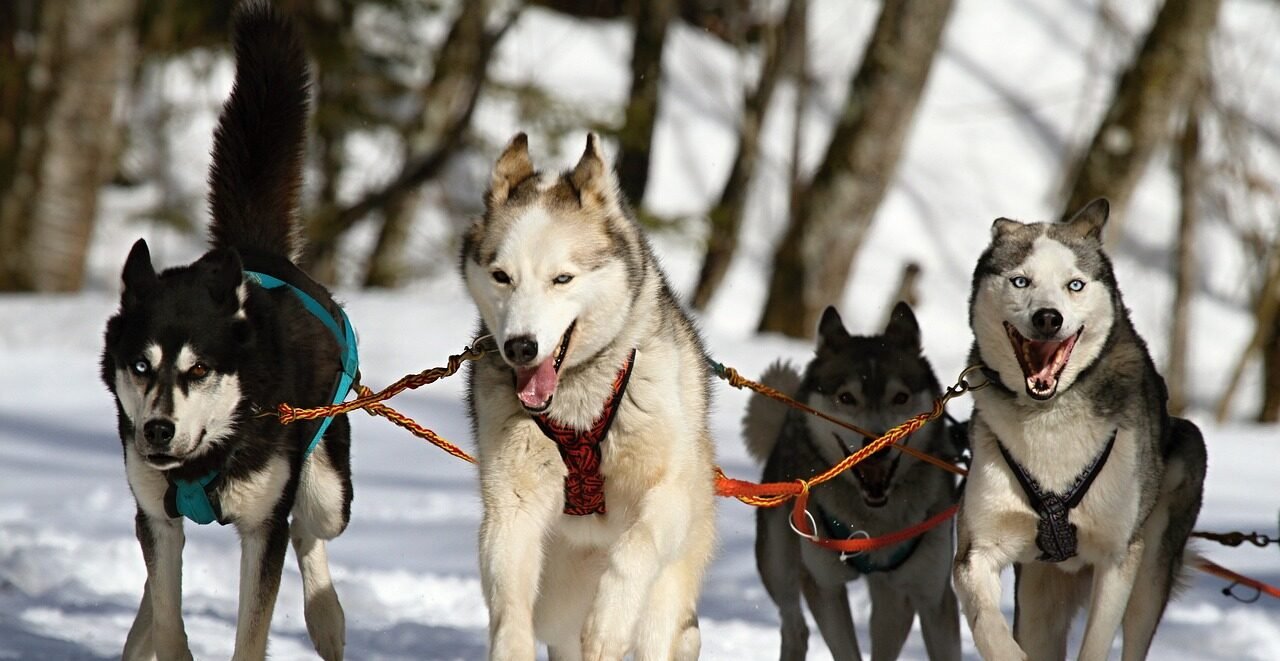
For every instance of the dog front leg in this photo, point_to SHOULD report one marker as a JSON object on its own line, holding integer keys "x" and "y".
{"x": 1112, "y": 584}
{"x": 157, "y": 631}
{"x": 512, "y": 531}
{"x": 977, "y": 578}
{"x": 262, "y": 550}
{"x": 634, "y": 562}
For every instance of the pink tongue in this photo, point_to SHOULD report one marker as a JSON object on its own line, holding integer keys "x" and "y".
{"x": 1041, "y": 356}
{"x": 535, "y": 386}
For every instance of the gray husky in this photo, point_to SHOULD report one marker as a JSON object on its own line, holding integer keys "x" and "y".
{"x": 1080, "y": 476}
{"x": 591, "y": 423}
{"x": 875, "y": 382}
{"x": 196, "y": 352}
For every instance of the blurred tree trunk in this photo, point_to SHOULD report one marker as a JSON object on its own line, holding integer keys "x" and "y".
{"x": 331, "y": 220}
{"x": 67, "y": 136}
{"x": 449, "y": 101}
{"x": 1270, "y": 409}
{"x": 1189, "y": 175}
{"x": 779, "y": 42}
{"x": 1156, "y": 84}
{"x": 650, "y": 19}
{"x": 1266, "y": 315}
{"x": 812, "y": 264}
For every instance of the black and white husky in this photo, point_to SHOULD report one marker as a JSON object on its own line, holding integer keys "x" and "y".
{"x": 1080, "y": 476}
{"x": 196, "y": 352}
{"x": 876, "y": 382}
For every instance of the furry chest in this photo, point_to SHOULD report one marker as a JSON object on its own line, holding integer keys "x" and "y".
{"x": 1084, "y": 516}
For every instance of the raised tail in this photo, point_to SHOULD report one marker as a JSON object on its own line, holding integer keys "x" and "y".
{"x": 763, "y": 420}
{"x": 257, "y": 148}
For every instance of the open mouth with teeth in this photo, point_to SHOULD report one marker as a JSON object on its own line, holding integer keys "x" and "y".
{"x": 1042, "y": 361}
{"x": 874, "y": 474}
{"x": 536, "y": 385}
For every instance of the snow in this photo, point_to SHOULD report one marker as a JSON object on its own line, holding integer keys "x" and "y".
{"x": 1016, "y": 85}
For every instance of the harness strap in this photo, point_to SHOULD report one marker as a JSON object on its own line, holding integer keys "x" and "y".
{"x": 198, "y": 499}
{"x": 194, "y": 499}
{"x": 858, "y": 559}
{"x": 1055, "y": 534}
{"x": 580, "y": 449}
{"x": 345, "y": 335}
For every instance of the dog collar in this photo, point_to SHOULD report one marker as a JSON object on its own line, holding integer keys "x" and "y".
{"x": 838, "y": 529}
{"x": 1055, "y": 534}
{"x": 580, "y": 449}
{"x": 197, "y": 499}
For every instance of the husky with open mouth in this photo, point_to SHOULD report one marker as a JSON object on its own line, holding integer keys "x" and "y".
{"x": 875, "y": 382}
{"x": 1080, "y": 476}
{"x": 591, "y": 423}
{"x": 197, "y": 352}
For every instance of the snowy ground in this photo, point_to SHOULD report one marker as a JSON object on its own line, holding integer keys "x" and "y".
{"x": 1010, "y": 94}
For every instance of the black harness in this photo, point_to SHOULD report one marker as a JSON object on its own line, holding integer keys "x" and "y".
{"x": 1055, "y": 534}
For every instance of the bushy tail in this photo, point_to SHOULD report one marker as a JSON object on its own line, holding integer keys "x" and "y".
{"x": 258, "y": 145}
{"x": 763, "y": 420}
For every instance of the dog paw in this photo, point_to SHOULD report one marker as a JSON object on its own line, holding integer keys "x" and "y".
{"x": 601, "y": 642}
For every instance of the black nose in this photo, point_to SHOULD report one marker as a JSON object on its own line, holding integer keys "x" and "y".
{"x": 521, "y": 349}
{"x": 1047, "y": 320}
{"x": 158, "y": 432}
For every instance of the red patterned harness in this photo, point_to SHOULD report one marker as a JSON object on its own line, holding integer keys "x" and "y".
{"x": 580, "y": 450}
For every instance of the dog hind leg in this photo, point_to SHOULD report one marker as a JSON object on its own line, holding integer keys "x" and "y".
{"x": 1112, "y": 585}
{"x": 891, "y": 618}
{"x": 326, "y": 623}
{"x": 1164, "y": 535}
{"x": 940, "y": 622}
{"x": 262, "y": 551}
{"x": 1047, "y": 598}
{"x": 830, "y": 607}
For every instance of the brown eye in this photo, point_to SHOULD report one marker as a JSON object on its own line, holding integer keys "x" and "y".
{"x": 198, "y": 371}
{"x": 501, "y": 277}
{"x": 846, "y": 399}
{"x": 901, "y": 398}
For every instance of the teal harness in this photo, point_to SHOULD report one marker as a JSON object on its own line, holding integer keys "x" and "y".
{"x": 838, "y": 529}
{"x": 197, "y": 499}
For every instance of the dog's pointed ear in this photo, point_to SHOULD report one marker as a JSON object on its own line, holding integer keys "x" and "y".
{"x": 903, "y": 327}
{"x": 511, "y": 168}
{"x": 593, "y": 178}
{"x": 139, "y": 275}
{"x": 1087, "y": 223}
{"x": 1003, "y": 226}
{"x": 224, "y": 276}
{"x": 831, "y": 329}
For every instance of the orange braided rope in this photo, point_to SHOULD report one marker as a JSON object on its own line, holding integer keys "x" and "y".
{"x": 769, "y": 494}
{"x": 733, "y": 378}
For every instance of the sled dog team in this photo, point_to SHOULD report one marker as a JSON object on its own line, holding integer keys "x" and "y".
{"x": 591, "y": 424}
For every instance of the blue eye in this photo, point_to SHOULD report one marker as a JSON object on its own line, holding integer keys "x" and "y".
{"x": 141, "y": 366}
{"x": 1076, "y": 285}
{"x": 562, "y": 279}
{"x": 1019, "y": 281}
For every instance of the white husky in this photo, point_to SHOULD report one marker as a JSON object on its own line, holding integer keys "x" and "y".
{"x": 595, "y": 457}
